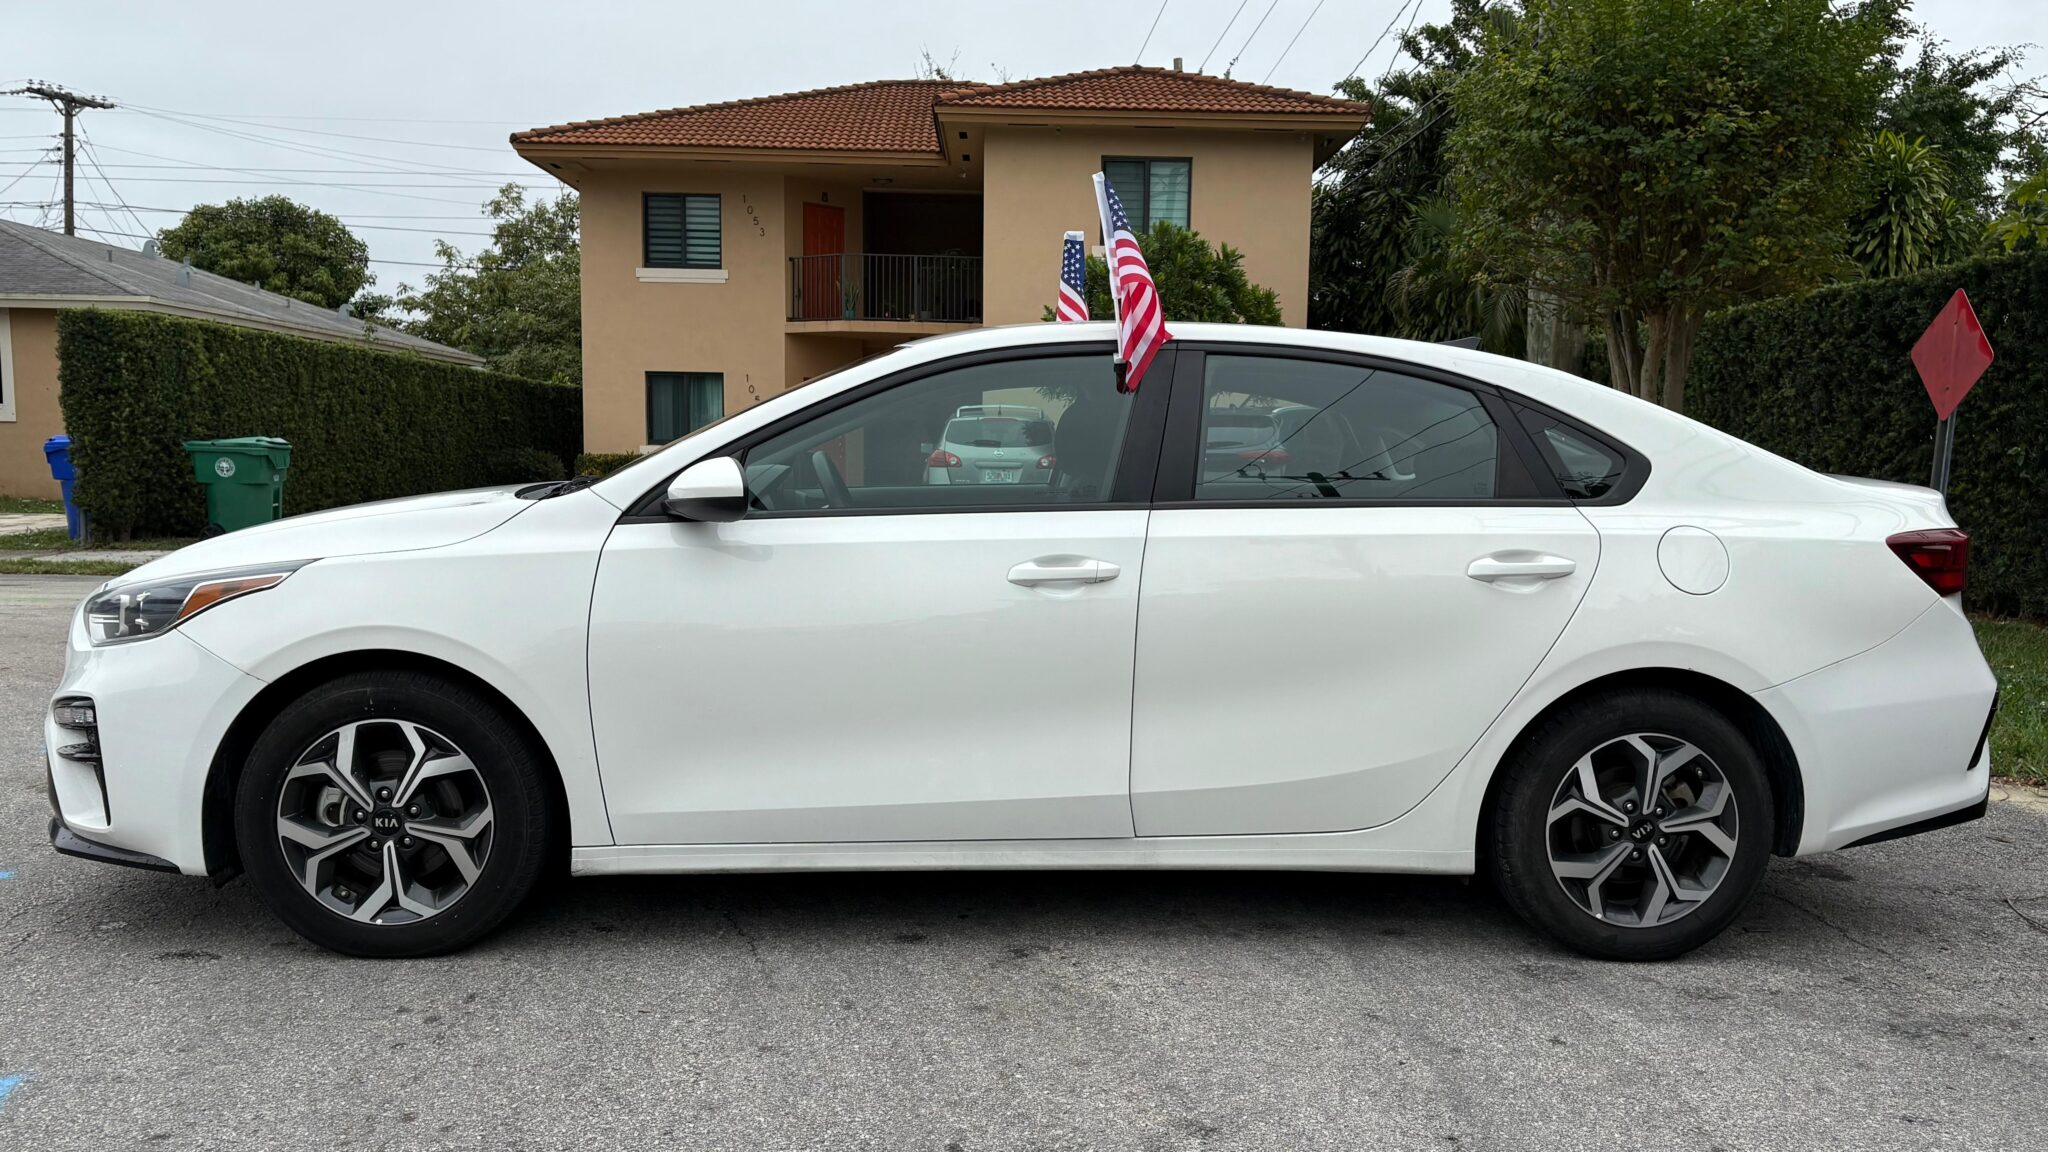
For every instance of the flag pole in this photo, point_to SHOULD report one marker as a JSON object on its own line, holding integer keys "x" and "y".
{"x": 1115, "y": 300}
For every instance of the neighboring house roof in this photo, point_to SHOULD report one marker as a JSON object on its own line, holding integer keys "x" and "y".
{"x": 901, "y": 115}
{"x": 39, "y": 268}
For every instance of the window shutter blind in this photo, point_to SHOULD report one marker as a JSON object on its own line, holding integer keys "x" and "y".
{"x": 1167, "y": 193}
{"x": 682, "y": 231}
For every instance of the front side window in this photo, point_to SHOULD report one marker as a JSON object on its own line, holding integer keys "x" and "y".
{"x": 679, "y": 403}
{"x": 1281, "y": 429}
{"x": 1152, "y": 190}
{"x": 1044, "y": 431}
{"x": 680, "y": 231}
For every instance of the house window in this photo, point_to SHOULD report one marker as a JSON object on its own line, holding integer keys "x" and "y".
{"x": 679, "y": 403}
{"x": 681, "y": 231}
{"x": 6, "y": 366}
{"x": 1152, "y": 190}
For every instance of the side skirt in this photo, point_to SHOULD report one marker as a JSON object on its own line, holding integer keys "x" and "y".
{"x": 1321, "y": 852}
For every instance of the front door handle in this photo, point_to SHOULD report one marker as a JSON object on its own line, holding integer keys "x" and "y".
{"x": 1520, "y": 565}
{"x": 1063, "y": 570}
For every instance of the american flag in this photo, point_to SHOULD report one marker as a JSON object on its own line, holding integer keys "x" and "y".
{"x": 1141, "y": 323}
{"x": 1073, "y": 305}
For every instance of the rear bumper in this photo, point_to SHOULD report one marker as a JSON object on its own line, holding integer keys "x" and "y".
{"x": 1892, "y": 742}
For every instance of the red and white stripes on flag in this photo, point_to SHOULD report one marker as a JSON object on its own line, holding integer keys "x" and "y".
{"x": 1073, "y": 305}
{"x": 1141, "y": 322}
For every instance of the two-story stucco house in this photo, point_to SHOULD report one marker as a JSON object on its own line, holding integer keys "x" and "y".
{"x": 731, "y": 251}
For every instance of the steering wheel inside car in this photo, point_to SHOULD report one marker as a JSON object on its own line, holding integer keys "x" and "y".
{"x": 836, "y": 493}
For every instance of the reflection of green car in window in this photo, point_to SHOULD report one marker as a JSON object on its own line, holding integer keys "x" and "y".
{"x": 993, "y": 444}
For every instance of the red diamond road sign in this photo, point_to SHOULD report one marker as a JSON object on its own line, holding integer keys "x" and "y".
{"x": 1952, "y": 354}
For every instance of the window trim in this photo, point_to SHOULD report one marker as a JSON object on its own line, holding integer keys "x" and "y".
{"x": 10, "y": 381}
{"x": 1180, "y": 459}
{"x": 647, "y": 261}
{"x": 1635, "y": 467}
{"x": 647, "y": 392}
{"x": 1145, "y": 214}
{"x": 1136, "y": 469}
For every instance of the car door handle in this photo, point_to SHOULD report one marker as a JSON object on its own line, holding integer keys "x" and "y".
{"x": 1522, "y": 565}
{"x": 1063, "y": 570}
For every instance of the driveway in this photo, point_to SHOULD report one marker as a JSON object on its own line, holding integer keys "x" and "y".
{"x": 1892, "y": 997}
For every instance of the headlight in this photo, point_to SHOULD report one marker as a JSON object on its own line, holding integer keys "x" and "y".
{"x": 143, "y": 609}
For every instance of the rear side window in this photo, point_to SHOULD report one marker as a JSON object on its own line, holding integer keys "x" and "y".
{"x": 1586, "y": 467}
{"x": 1281, "y": 429}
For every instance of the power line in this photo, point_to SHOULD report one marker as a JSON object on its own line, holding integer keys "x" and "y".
{"x": 1383, "y": 35}
{"x": 254, "y": 116}
{"x": 1220, "y": 35}
{"x": 68, "y": 105}
{"x": 1290, "y": 44}
{"x": 327, "y": 171}
{"x": 1154, "y": 28}
{"x": 317, "y": 132}
{"x": 321, "y": 184}
{"x": 94, "y": 160}
{"x": 324, "y": 152}
{"x": 1248, "y": 40}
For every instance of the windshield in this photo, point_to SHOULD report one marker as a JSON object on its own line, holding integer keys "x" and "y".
{"x": 695, "y": 432}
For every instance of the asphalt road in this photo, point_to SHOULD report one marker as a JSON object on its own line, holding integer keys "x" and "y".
{"x": 1887, "y": 998}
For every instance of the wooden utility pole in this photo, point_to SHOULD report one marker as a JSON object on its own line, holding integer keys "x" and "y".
{"x": 67, "y": 104}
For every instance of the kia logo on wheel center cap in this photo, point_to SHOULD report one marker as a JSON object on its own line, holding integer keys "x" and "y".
{"x": 385, "y": 821}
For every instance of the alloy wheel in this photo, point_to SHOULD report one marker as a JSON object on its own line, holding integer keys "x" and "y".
{"x": 384, "y": 821}
{"x": 1642, "y": 830}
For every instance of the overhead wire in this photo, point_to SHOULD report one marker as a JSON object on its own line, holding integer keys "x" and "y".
{"x": 1248, "y": 39}
{"x": 1148, "y": 32}
{"x": 1220, "y": 35}
{"x": 1290, "y": 43}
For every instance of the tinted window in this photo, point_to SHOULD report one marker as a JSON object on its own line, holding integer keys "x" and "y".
{"x": 1586, "y": 469}
{"x": 1052, "y": 434}
{"x": 1279, "y": 429}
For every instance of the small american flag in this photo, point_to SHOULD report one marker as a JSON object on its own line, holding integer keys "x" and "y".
{"x": 1141, "y": 322}
{"x": 1073, "y": 305}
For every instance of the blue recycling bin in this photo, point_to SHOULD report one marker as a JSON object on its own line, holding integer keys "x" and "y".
{"x": 57, "y": 449}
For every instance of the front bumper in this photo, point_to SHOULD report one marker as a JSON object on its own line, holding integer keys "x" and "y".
{"x": 163, "y": 707}
{"x": 1892, "y": 742}
{"x": 71, "y": 843}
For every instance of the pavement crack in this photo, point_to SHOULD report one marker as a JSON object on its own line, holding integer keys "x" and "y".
{"x": 753, "y": 946}
{"x": 1845, "y": 934}
{"x": 2036, "y": 924}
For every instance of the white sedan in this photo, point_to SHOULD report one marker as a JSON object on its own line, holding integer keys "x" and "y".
{"x": 1469, "y": 615}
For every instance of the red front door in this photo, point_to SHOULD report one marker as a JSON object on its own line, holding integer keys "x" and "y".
{"x": 824, "y": 236}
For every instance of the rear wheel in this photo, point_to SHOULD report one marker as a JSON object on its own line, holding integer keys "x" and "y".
{"x": 393, "y": 814}
{"x": 1634, "y": 826}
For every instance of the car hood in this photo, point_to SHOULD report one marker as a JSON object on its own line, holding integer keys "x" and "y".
{"x": 404, "y": 525}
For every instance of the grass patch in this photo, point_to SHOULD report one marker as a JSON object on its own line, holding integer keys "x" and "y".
{"x": 26, "y": 504}
{"x": 55, "y": 540}
{"x": 2018, "y": 653}
{"x": 27, "y": 566}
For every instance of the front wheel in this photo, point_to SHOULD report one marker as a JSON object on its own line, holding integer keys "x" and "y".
{"x": 393, "y": 814}
{"x": 1635, "y": 826}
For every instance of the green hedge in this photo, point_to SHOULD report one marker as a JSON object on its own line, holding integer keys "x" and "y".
{"x": 1828, "y": 380}
{"x": 363, "y": 424}
{"x": 603, "y": 463}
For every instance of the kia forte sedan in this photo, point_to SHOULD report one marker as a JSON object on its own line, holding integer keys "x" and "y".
{"x": 1478, "y": 616}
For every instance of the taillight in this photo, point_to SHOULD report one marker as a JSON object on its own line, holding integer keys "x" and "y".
{"x": 942, "y": 459}
{"x": 1940, "y": 556}
{"x": 1045, "y": 463}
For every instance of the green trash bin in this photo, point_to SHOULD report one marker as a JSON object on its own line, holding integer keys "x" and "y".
{"x": 244, "y": 478}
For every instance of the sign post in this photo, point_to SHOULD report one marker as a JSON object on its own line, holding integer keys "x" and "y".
{"x": 1950, "y": 356}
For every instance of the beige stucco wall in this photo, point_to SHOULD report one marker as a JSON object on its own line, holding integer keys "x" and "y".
{"x": 1250, "y": 190}
{"x": 33, "y": 384}
{"x": 631, "y": 328}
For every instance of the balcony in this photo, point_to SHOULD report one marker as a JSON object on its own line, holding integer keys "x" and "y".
{"x": 872, "y": 292}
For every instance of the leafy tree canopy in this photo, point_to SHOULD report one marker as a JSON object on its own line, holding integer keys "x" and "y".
{"x": 275, "y": 243}
{"x": 517, "y": 303}
{"x": 1196, "y": 282}
{"x": 1648, "y": 160}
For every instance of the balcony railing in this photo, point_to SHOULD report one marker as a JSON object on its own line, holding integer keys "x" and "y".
{"x": 870, "y": 286}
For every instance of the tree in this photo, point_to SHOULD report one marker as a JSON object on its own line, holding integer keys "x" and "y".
{"x": 518, "y": 302}
{"x": 1908, "y": 220}
{"x": 2023, "y": 227}
{"x": 275, "y": 243}
{"x": 1956, "y": 105}
{"x": 1646, "y": 161}
{"x": 1377, "y": 204}
{"x": 1196, "y": 282}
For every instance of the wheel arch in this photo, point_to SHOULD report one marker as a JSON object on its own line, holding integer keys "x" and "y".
{"x": 217, "y": 808}
{"x": 1765, "y": 735}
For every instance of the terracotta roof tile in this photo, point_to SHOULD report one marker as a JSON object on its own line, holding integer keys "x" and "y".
{"x": 1137, "y": 89}
{"x": 879, "y": 116}
{"x": 898, "y": 115}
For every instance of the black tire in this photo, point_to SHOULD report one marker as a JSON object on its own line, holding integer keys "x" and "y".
{"x": 510, "y": 768}
{"x": 1519, "y": 839}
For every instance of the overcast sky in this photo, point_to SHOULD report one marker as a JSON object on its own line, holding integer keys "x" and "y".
{"x": 417, "y": 100}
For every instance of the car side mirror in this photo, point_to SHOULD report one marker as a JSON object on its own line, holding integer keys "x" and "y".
{"x": 713, "y": 491}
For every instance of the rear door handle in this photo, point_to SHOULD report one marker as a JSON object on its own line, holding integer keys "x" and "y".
{"x": 1520, "y": 565}
{"x": 1063, "y": 570}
